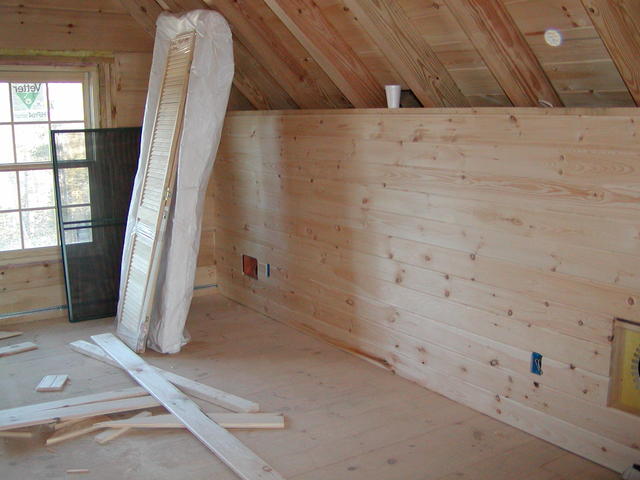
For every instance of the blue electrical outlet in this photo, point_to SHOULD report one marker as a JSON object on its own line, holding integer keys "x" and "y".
{"x": 536, "y": 363}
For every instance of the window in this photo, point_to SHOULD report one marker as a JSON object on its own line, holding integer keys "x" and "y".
{"x": 32, "y": 103}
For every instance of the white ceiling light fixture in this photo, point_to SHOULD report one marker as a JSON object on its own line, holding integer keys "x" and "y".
{"x": 553, "y": 37}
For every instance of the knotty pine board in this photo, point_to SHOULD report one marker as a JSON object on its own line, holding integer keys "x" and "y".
{"x": 448, "y": 243}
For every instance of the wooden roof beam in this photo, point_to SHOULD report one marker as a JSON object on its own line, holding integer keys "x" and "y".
{"x": 306, "y": 22}
{"x": 618, "y": 24}
{"x": 302, "y": 79}
{"x": 408, "y": 52}
{"x": 506, "y": 52}
{"x": 257, "y": 84}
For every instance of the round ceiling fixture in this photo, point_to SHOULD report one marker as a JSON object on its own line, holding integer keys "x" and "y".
{"x": 553, "y": 37}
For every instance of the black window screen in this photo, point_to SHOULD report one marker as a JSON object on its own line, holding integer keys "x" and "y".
{"x": 93, "y": 171}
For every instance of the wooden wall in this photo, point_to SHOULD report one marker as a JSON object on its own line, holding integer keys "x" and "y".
{"x": 447, "y": 246}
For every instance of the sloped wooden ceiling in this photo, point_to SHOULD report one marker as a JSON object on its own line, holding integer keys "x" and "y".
{"x": 341, "y": 53}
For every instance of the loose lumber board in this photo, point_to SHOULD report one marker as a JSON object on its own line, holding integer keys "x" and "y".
{"x": 4, "y": 335}
{"x": 52, "y": 383}
{"x": 75, "y": 401}
{"x": 198, "y": 390}
{"x": 112, "y": 434}
{"x": 28, "y": 418}
{"x": 231, "y": 451}
{"x": 226, "y": 420}
{"x": 141, "y": 258}
{"x": 17, "y": 348}
{"x": 428, "y": 237}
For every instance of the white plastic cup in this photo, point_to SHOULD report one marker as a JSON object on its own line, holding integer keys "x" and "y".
{"x": 393, "y": 95}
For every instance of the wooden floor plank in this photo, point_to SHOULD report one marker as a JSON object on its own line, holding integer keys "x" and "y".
{"x": 341, "y": 412}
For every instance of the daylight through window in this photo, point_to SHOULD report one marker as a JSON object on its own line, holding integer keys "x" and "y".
{"x": 32, "y": 103}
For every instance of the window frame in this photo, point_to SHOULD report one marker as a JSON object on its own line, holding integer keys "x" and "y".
{"x": 88, "y": 76}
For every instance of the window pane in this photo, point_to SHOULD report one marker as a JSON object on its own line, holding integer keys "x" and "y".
{"x": 70, "y": 146}
{"x": 39, "y": 228}
{"x": 74, "y": 186}
{"x": 32, "y": 143}
{"x": 76, "y": 214}
{"x": 5, "y": 107}
{"x": 6, "y": 144}
{"x": 29, "y": 102}
{"x": 36, "y": 188}
{"x": 8, "y": 192}
{"x": 10, "y": 228}
{"x": 66, "y": 101}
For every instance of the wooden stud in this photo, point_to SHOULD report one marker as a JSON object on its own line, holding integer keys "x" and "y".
{"x": 406, "y": 49}
{"x": 506, "y": 52}
{"x": 231, "y": 451}
{"x": 308, "y": 24}
{"x": 618, "y": 23}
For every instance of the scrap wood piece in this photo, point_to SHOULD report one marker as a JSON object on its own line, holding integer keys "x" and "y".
{"x": 16, "y": 434}
{"x": 226, "y": 420}
{"x": 52, "y": 383}
{"x": 17, "y": 348}
{"x": 30, "y": 418}
{"x": 4, "y": 335}
{"x": 78, "y": 470}
{"x": 81, "y": 428}
{"x": 65, "y": 424}
{"x": 191, "y": 387}
{"x": 6, "y": 415}
{"x": 226, "y": 447}
{"x": 113, "y": 433}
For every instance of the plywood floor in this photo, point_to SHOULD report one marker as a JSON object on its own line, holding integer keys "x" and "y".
{"x": 347, "y": 419}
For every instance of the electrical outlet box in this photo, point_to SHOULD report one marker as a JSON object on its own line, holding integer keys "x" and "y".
{"x": 536, "y": 363}
{"x": 250, "y": 266}
{"x": 264, "y": 270}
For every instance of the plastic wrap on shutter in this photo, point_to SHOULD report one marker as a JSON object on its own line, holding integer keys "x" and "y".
{"x": 141, "y": 258}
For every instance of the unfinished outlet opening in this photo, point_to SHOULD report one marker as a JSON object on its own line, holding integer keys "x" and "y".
{"x": 624, "y": 392}
{"x": 250, "y": 266}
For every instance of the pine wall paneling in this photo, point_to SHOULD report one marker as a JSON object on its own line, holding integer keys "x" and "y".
{"x": 448, "y": 245}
